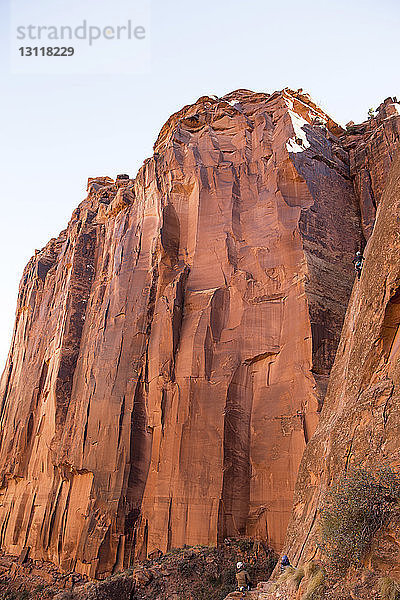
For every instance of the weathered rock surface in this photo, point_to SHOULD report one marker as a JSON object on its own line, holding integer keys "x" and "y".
{"x": 372, "y": 146}
{"x": 361, "y": 416}
{"x": 172, "y": 345}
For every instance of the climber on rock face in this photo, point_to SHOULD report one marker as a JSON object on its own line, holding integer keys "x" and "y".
{"x": 242, "y": 578}
{"x": 358, "y": 263}
{"x": 285, "y": 562}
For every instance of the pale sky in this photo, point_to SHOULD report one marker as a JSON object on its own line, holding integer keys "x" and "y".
{"x": 58, "y": 130}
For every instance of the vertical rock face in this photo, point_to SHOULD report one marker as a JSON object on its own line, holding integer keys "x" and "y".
{"x": 372, "y": 146}
{"x": 361, "y": 416}
{"x": 172, "y": 346}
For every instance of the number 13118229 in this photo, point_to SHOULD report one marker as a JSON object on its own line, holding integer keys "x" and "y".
{"x": 46, "y": 51}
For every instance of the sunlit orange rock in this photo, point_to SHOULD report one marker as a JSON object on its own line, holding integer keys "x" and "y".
{"x": 172, "y": 346}
{"x": 372, "y": 146}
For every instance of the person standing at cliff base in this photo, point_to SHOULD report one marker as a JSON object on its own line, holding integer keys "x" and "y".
{"x": 358, "y": 263}
{"x": 242, "y": 578}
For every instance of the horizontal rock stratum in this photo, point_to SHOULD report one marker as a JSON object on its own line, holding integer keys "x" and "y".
{"x": 172, "y": 346}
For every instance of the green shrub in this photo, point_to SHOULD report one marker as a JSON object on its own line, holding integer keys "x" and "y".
{"x": 353, "y": 511}
{"x": 389, "y": 589}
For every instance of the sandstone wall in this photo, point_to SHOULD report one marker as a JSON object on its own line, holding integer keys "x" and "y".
{"x": 372, "y": 146}
{"x": 361, "y": 415}
{"x": 172, "y": 346}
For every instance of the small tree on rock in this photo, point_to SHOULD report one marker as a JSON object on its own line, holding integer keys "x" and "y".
{"x": 354, "y": 510}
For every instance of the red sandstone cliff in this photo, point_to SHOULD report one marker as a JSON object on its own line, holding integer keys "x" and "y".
{"x": 361, "y": 418}
{"x": 372, "y": 146}
{"x": 173, "y": 344}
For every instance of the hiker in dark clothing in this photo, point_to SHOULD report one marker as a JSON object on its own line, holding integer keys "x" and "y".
{"x": 242, "y": 578}
{"x": 285, "y": 562}
{"x": 358, "y": 263}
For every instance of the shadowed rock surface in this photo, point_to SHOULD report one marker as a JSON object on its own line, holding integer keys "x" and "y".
{"x": 172, "y": 346}
{"x": 372, "y": 147}
{"x": 360, "y": 420}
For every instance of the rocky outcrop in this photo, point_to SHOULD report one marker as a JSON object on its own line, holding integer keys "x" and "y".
{"x": 190, "y": 573}
{"x": 372, "y": 145}
{"x": 172, "y": 345}
{"x": 361, "y": 417}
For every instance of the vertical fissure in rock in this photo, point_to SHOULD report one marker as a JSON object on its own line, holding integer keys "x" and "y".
{"x": 85, "y": 430}
{"x": 141, "y": 438}
{"x": 82, "y": 276}
{"x": 19, "y": 519}
{"x": 42, "y": 382}
{"x": 119, "y": 353}
{"x": 169, "y": 528}
{"x": 177, "y": 317}
{"x": 231, "y": 251}
{"x": 63, "y": 523}
{"x": 143, "y": 554}
{"x": 170, "y": 233}
{"x": 218, "y": 317}
{"x": 152, "y": 295}
{"x": 208, "y": 354}
{"x": 158, "y": 162}
{"x": 236, "y": 471}
{"x": 164, "y": 397}
{"x": 44, "y": 534}
{"x": 304, "y": 425}
{"x": 5, "y": 524}
{"x": 121, "y": 420}
{"x": 29, "y": 430}
{"x": 219, "y": 312}
{"x": 51, "y": 528}
{"x": 119, "y": 558}
{"x": 236, "y": 225}
{"x": 106, "y": 312}
{"x": 30, "y": 519}
{"x": 104, "y": 555}
{"x": 8, "y": 380}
